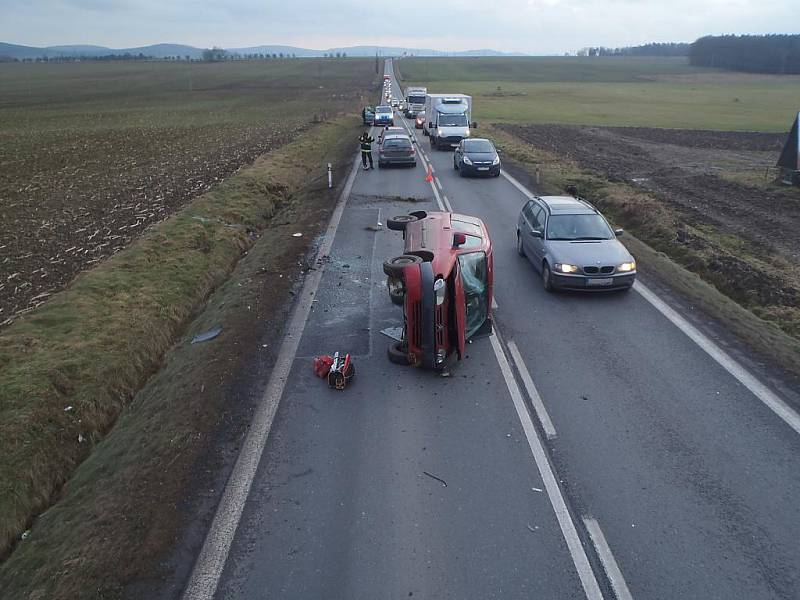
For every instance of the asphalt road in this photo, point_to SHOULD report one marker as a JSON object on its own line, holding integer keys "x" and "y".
{"x": 663, "y": 476}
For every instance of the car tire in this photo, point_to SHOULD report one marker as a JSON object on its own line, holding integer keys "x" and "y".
{"x": 394, "y": 266}
{"x": 399, "y": 223}
{"x": 497, "y": 174}
{"x": 520, "y": 248}
{"x": 398, "y": 353}
{"x": 547, "y": 280}
{"x": 455, "y": 164}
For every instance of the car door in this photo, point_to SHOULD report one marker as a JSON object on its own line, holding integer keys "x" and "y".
{"x": 525, "y": 227}
{"x": 537, "y": 248}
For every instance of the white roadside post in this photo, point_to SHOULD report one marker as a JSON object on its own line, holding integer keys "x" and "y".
{"x": 330, "y": 176}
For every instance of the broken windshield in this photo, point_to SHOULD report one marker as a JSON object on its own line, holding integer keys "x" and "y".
{"x": 473, "y": 273}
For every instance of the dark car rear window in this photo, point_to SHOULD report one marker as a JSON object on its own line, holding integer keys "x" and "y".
{"x": 397, "y": 143}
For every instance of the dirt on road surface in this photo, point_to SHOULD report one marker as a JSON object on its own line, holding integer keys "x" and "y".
{"x": 690, "y": 170}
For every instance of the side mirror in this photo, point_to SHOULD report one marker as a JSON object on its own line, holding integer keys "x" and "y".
{"x": 474, "y": 124}
{"x": 536, "y": 233}
{"x": 459, "y": 239}
{"x": 619, "y": 232}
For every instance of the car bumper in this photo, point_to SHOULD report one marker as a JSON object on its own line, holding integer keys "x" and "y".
{"x": 594, "y": 283}
{"x": 398, "y": 160}
{"x": 493, "y": 170}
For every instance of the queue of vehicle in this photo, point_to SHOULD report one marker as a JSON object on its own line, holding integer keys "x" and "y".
{"x": 443, "y": 279}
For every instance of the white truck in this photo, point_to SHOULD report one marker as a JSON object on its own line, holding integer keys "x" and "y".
{"x": 415, "y": 101}
{"x": 447, "y": 119}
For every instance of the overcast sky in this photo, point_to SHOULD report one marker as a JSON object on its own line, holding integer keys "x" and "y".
{"x": 529, "y": 26}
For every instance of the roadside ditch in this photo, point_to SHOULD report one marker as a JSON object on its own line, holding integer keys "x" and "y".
{"x": 110, "y": 417}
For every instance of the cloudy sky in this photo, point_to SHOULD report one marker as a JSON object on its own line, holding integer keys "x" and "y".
{"x": 530, "y": 26}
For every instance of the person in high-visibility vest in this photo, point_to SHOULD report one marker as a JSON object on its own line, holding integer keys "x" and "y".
{"x": 366, "y": 149}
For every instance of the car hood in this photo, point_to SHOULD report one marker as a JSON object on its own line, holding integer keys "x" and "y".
{"x": 589, "y": 253}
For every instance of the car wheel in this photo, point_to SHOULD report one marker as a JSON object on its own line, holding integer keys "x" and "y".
{"x": 399, "y": 223}
{"x": 520, "y": 249}
{"x": 455, "y": 164}
{"x": 394, "y": 266}
{"x": 497, "y": 174}
{"x": 547, "y": 280}
{"x": 398, "y": 353}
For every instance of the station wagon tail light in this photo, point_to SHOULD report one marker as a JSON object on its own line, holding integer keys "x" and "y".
{"x": 566, "y": 268}
{"x": 627, "y": 267}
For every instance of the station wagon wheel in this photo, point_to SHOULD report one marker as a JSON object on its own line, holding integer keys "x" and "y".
{"x": 394, "y": 267}
{"x": 520, "y": 249}
{"x": 547, "y": 281}
{"x": 399, "y": 223}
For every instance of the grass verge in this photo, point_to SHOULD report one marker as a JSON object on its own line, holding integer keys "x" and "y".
{"x": 68, "y": 369}
{"x": 687, "y": 256}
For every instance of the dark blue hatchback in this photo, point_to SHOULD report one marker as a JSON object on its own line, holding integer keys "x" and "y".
{"x": 476, "y": 156}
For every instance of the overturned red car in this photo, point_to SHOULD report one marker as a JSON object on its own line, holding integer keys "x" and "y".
{"x": 443, "y": 280}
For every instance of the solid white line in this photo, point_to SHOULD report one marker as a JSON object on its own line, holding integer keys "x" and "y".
{"x": 568, "y": 530}
{"x": 518, "y": 185}
{"x": 613, "y": 571}
{"x": 530, "y": 387}
{"x": 759, "y": 390}
{"x": 494, "y": 303}
{"x": 742, "y": 375}
{"x": 208, "y": 568}
{"x": 438, "y": 197}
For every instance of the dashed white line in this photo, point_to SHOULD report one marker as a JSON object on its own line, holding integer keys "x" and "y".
{"x": 568, "y": 530}
{"x": 530, "y": 387}
{"x": 742, "y": 375}
{"x": 208, "y": 568}
{"x": 610, "y": 565}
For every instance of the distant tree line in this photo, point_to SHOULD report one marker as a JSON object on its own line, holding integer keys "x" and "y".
{"x": 208, "y": 55}
{"x": 655, "y": 49}
{"x": 777, "y": 53}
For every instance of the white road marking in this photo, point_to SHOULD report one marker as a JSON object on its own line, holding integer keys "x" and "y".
{"x": 613, "y": 571}
{"x": 518, "y": 185}
{"x": 208, "y": 568}
{"x": 568, "y": 530}
{"x": 494, "y": 303}
{"x": 530, "y": 387}
{"x": 742, "y": 375}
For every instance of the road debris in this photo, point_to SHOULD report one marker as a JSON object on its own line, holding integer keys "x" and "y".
{"x": 395, "y": 333}
{"x": 439, "y": 479}
{"x": 206, "y": 335}
{"x": 532, "y": 529}
{"x": 298, "y": 234}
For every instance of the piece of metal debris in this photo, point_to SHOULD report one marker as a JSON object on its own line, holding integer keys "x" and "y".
{"x": 395, "y": 333}
{"x": 206, "y": 335}
{"x": 439, "y": 479}
{"x": 298, "y": 234}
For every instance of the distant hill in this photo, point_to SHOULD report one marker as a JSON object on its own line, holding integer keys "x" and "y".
{"x": 15, "y": 51}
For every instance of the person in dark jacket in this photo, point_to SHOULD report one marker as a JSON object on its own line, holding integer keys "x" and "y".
{"x": 366, "y": 149}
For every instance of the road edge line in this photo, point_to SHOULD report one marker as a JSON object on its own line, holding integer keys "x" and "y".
{"x": 722, "y": 358}
{"x": 208, "y": 567}
{"x": 565, "y": 522}
{"x": 533, "y": 393}
{"x": 613, "y": 572}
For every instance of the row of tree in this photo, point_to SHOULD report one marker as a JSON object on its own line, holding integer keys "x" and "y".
{"x": 655, "y": 49}
{"x": 210, "y": 55}
{"x": 778, "y": 53}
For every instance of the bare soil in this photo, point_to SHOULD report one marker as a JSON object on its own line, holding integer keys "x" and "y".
{"x": 79, "y": 208}
{"x": 686, "y": 169}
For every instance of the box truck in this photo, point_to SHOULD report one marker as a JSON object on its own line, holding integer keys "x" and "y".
{"x": 447, "y": 119}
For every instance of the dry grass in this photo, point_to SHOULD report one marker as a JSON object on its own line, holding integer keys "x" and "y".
{"x": 69, "y": 368}
{"x": 690, "y": 257}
